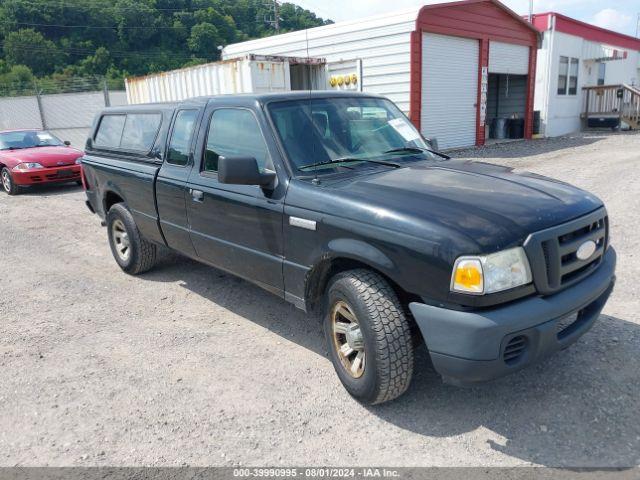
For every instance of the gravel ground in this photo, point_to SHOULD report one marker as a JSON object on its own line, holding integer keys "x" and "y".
{"x": 186, "y": 365}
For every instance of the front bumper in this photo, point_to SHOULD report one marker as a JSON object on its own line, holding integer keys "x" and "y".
{"x": 67, "y": 173}
{"x": 471, "y": 347}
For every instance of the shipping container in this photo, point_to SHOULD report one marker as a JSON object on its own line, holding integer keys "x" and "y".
{"x": 246, "y": 74}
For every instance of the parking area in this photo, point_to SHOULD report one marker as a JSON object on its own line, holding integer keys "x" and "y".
{"x": 188, "y": 365}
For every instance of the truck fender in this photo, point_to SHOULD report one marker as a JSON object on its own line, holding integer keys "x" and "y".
{"x": 362, "y": 251}
{"x": 344, "y": 253}
{"x": 111, "y": 191}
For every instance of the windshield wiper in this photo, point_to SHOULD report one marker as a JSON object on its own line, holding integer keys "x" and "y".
{"x": 349, "y": 160}
{"x": 418, "y": 150}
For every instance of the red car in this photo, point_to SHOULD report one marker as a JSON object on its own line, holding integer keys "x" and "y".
{"x": 31, "y": 157}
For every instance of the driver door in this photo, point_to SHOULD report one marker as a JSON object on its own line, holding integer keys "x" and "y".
{"x": 237, "y": 228}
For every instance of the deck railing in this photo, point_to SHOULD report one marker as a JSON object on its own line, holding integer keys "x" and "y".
{"x": 621, "y": 101}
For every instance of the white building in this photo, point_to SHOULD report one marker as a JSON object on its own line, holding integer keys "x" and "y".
{"x": 451, "y": 66}
{"x": 575, "y": 55}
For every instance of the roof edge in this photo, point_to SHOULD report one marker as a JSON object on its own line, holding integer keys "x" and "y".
{"x": 497, "y": 3}
{"x": 594, "y": 28}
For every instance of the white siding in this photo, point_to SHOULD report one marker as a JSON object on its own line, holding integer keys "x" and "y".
{"x": 508, "y": 58}
{"x": 381, "y": 42}
{"x": 560, "y": 114}
{"x": 449, "y": 89}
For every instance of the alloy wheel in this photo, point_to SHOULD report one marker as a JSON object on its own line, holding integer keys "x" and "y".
{"x": 121, "y": 240}
{"x": 6, "y": 180}
{"x": 347, "y": 339}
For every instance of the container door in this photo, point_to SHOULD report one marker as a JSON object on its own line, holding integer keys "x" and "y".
{"x": 449, "y": 89}
{"x": 171, "y": 183}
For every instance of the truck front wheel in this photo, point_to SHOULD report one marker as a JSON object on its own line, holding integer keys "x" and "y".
{"x": 368, "y": 336}
{"x": 133, "y": 253}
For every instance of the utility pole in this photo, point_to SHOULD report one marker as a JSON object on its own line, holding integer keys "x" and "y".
{"x": 638, "y": 27}
{"x": 530, "y": 11}
{"x": 275, "y": 20}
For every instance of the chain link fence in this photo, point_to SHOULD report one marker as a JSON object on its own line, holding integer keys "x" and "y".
{"x": 67, "y": 109}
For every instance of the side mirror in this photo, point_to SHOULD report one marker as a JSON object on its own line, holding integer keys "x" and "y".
{"x": 244, "y": 171}
{"x": 67, "y": 143}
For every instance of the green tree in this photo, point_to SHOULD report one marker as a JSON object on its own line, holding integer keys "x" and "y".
{"x": 97, "y": 64}
{"x": 30, "y": 48}
{"x": 204, "y": 40}
{"x": 59, "y": 40}
{"x": 18, "y": 80}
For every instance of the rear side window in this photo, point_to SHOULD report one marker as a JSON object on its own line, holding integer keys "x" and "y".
{"x": 134, "y": 131}
{"x": 180, "y": 144}
{"x": 234, "y": 133}
{"x": 110, "y": 131}
{"x": 140, "y": 131}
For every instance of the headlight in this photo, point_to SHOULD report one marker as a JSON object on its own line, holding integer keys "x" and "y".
{"x": 491, "y": 273}
{"x": 79, "y": 161}
{"x": 27, "y": 166}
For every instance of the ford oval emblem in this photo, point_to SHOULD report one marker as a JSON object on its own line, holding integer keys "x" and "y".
{"x": 586, "y": 250}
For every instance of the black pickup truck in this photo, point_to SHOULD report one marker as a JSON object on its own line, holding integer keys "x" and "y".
{"x": 335, "y": 202}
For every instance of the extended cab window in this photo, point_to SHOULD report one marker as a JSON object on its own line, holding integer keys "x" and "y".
{"x": 133, "y": 131}
{"x": 140, "y": 131}
{"x": 234, "y": 133}
{"x": 110, "y": 131}
{"x": 180, "y": 144}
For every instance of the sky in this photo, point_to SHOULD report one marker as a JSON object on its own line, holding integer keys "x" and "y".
{"x": 619, "y": 15}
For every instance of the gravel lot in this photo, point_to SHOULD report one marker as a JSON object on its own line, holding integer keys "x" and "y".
{"x": 186, "y": 365}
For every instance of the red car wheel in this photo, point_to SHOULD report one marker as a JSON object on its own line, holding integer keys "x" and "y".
{"x": 7, "y": 182}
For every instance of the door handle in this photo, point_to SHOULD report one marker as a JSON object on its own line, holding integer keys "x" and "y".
{"x": 197, "y": 195}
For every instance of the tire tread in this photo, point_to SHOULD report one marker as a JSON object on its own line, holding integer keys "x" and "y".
{"x": 393, "y": 332}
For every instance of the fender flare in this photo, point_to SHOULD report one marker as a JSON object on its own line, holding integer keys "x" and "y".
{"x": 111, "y": 188}
{"x": 346, "y": 249}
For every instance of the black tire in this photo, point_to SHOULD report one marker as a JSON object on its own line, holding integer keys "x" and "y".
{"x": 141, "y": 255}
{"x": 79, "y": 183}
{"x": 386, "y": 334}
{"x": 8, "y": 185}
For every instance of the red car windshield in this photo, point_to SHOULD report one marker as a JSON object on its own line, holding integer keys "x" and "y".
{"x": 28, "y": 139}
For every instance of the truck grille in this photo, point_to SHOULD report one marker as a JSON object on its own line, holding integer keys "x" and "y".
{"x": 553, "y": 252}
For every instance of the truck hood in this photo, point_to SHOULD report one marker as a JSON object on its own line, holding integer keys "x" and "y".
{"x": 45, "y": 156}
{"x": 494, "y": 206}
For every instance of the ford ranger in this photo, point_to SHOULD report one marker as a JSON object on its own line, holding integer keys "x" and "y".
{"x": 337, "y": 204}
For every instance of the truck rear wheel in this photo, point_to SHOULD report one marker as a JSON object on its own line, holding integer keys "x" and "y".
{"x": 368, "y": 336}
{"x": 133, "y": 253}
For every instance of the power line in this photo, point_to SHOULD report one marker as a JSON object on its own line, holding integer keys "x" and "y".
{"x": 115, "y": 54}
{"x": 8, "y": 22}
{"x": 63, "y": 4}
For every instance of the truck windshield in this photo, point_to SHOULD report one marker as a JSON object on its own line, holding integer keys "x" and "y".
{"x": 317, "y": 133}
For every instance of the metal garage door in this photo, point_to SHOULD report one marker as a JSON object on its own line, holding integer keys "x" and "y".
{"x": 449, "y": 89}
{"x": 508, "y": 58}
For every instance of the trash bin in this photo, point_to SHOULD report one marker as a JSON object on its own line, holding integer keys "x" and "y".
{"x": 536, "y": 122}
{"x": 516, "y": 128}
{"x": 498, "y": 128}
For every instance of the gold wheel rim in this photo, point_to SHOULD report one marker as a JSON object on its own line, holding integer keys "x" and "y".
{"x": 347, "y": 339}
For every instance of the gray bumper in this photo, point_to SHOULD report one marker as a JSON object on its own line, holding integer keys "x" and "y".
{"x": 469, "y": 347}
